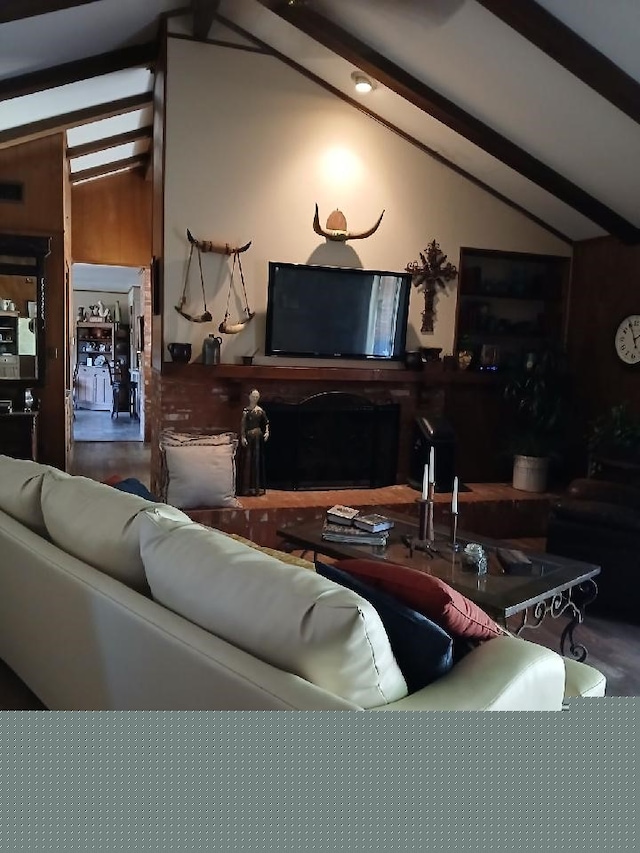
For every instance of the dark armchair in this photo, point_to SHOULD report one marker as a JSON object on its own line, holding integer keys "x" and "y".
{"x": 599, "y": 521}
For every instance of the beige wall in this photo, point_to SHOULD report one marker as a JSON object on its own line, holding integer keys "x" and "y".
{"x": 251, "y": 146}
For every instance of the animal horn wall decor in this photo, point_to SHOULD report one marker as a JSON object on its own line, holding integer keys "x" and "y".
{"x": 206, "y": 316}
{"x": 219, "y": 248}
{"x": 226, "y": 327}
{"x": 337, "y": 227}
{"x": 429, "y": 273}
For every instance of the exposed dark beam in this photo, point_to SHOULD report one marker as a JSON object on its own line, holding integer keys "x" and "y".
{"x": 109, "y": 168}
{"x": 571, "y": 51}
{"x": 359, "y": 105}
{"x": 110, "y": 142}
{"x": 80, "y": 69}
{"x": 445, "y": 111}
{"x": 57, "y": 124}
{"x": 204, "y": 12}
{"x": 16, "y": 10}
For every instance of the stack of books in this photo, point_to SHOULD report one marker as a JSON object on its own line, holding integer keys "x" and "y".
{"x": 347, "y": 525}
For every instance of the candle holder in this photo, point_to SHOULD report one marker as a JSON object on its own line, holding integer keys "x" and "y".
{"x": 455, "y": 547}
{"x": 425, "y": 540}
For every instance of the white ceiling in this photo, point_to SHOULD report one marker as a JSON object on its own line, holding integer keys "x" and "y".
{"x": 456, "y": 47}
{"x": 99, "y": 277}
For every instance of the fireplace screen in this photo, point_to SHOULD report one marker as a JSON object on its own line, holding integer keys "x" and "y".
{"x": 332, "y": 441}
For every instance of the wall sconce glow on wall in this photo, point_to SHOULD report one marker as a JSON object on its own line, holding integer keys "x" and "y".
{"x": 362, "y": 83}
{"x": 340, "y": 167}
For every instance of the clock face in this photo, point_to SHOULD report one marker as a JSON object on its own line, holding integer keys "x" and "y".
{"x": 627, "y": 339}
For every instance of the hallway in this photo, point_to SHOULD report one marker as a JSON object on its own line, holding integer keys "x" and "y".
{"x": 100, "y": 426}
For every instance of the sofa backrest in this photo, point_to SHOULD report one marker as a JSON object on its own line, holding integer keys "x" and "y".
{"x": 98, "y": 524}
{"x": 285, "y": 615}
{"x": 21, "y": 491}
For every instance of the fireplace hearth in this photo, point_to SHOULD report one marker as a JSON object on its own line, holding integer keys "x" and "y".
{"x": 332, "y": 440}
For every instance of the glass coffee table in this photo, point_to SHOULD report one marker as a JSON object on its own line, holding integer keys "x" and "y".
{"x": 550, "y": 587}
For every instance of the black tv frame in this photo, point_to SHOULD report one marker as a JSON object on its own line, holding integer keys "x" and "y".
{"x": 403, "y": 314}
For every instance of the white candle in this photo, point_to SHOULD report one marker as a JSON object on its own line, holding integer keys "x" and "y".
{"x": 432, "y": 465}
{"x": 425, "y": 480}
{"x": 454, "y": 496}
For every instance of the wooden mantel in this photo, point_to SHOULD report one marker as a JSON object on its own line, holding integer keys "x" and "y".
{"x": 431, "y": 374}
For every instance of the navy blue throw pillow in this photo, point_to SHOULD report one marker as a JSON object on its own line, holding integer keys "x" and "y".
{"x": 422, "y": 649}
{"x": 135, "y": 487}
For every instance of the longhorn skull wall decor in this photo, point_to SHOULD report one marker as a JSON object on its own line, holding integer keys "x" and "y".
{"x": 429, "y": 273}
{"x": 337, "y": 227}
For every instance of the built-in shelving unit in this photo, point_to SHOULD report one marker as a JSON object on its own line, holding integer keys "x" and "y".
{"x": 9, "y": 358}
{"x": 102, "y": 357}
{"x": 509, "y": 304}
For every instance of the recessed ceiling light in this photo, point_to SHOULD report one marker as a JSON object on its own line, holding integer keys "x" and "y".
{"x": 362, "y": 83}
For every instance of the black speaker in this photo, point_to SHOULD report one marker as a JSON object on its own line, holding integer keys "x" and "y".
{"x": 437, "y": 433}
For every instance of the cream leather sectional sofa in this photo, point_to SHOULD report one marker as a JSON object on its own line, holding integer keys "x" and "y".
{"x": 111, "y": 602}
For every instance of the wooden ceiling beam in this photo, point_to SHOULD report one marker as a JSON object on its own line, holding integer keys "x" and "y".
{"x": 105, "y": 169}
{"x": 395, "y": 78}
{"x": 17, "y": 10}
{"x": 81, "y": 69}
{"x": 204, "y": 12}
{"x": 57, "y": 124}
{"x": 570, "y": 50}
{"x": 107, "y": 142}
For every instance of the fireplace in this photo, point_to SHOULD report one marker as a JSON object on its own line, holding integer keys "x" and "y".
{"x": 332, "y": 440}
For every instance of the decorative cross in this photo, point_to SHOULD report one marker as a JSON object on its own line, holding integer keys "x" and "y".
{"x": 429, "y": 273}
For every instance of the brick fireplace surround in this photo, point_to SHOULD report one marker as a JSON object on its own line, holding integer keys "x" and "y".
{"x": 196, "y": 396}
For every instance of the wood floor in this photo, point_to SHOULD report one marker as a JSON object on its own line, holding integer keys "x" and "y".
{"x": 614, "y": 647}
{"x": 100, "y": 460}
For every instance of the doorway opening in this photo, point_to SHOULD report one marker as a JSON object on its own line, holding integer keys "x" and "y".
{"x": 106, "y": 356}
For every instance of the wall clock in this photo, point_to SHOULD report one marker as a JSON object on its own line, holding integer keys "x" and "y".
{"x": 627, "y": 340}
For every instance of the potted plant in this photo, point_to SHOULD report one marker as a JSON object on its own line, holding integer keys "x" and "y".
{"x": 537, "y": 390}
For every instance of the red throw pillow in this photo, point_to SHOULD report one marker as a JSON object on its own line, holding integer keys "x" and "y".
{"x": 113, "y": 479}
{"x": 429, "y": 595}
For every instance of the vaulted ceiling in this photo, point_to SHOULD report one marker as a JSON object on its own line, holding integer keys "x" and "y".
{"x": 539, "y": 102}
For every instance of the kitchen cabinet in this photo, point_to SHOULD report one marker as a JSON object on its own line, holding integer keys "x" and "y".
{"x": 93, "y": 388}
{"x": 102, "y": 355}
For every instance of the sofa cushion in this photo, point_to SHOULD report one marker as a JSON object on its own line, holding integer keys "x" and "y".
{"x": 424, "y": 651}
{"x": 97, "y": 524}
{"x": 285, "y": 615}
{"x": 598, "y": 514}
{"x": 427, "y": 594}
{"x": 199, "y": 470}
{"x": 21, "y": 491}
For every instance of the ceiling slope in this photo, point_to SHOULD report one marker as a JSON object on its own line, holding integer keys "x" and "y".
{"x": 354, "y": 50}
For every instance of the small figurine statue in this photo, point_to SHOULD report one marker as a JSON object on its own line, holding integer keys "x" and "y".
{"x": 103, "y": 312}
{"x": 254, "y": 432}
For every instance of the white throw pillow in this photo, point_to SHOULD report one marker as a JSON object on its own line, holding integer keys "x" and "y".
{"x": 285, "y": 615}
{"x": 201, "y": 475}
{"x": 21, "y": 489}
{"x": 99, "y": 525}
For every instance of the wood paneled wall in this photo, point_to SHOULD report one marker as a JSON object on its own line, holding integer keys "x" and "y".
{"x": 40, "y": 166}
{"x": 111, "y": 220}
{"x": 605, "y": 288}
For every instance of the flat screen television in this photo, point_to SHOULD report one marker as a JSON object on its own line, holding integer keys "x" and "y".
{"x": 334, "y": 312}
